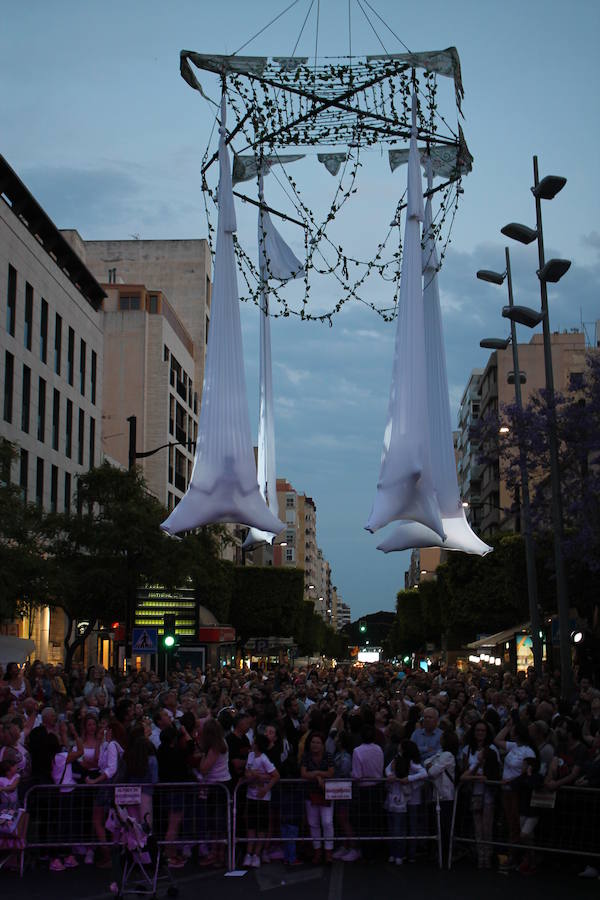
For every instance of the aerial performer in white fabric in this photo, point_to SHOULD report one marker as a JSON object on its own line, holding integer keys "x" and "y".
{"x": 458, "y": 532}
{"x": 405, "y": 489}
{"x": 276, "y": 260}
{"x": 224, "y": 486}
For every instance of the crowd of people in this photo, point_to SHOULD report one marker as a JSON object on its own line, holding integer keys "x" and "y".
{"x": 404, "y": 738}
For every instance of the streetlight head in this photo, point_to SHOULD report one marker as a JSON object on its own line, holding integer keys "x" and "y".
{"x": 465, "y": 504}
{"x": 510, "y": 378}
{"x": 554, "y": 270}
{"x": 504, "y": 429}
{"x": 549, "y": 187}
{"x": 517, "y": 232}
{"x": 524, "y": 315}
{"x": 494, "y": 343}
{"x": 492, "y": 277}
{"x": 577, "y": 637}
{"x": 283, "y": 544}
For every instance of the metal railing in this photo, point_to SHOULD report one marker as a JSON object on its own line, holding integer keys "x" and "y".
{"x": 565, "y": 821}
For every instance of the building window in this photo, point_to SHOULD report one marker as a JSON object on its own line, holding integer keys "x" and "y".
{"x": 290, "y": 537}
{"x": 93, "y": 375}
{"x": 39, "y": 482}
{"x": 153, "y": 303}
{"x": 28, "y": 331}
{"x": 55, "y": 419}
{"x": 82, "y": 365}
{"x": 290, "y": 501}
{"x": 171, "y": 414}
{"x": 112, "y": 276}
{"x": 44, "y": 331}
{"x": 180, "y": 471}
{"x": 26, "y": 399}
{"x": 41, "y": 425}
{"x": 92, "y": 442}
{"x": 9, "y": 375}
{"x": 11, "y": 301}
{"x": 207, "y": 324}
{"x": 80, "y": 431}
{"x": 57, "y": 343}
{"x": 171, "y": 471}
{"x": 289, "y": 554}
{"x": 24, "y": 473}
{"x": 67, "y": 497}
{"x": 129, "y": 301}
{"x": 54, "y": 489}
{"x": 165, "y": 353}
{"x": 71, "y": 357}
{"x": 290, "y": 517}
{"x": 576, "y": 381}
{"x": 69, "y": 429}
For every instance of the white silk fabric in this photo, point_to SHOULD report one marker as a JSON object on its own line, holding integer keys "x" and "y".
{"x": 276, "y": 260}
{"x": 405, "y": 489}
{"x": 459, "y": 535}
{"x": 224, "y": 486}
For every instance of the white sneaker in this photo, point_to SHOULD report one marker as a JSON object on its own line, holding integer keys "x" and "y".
{"x": 255, "y": 862}
{"x": 247, "y": 864}
{"x": 351, "y": 856}
{"x": 89, "y": 857}
{"x": 589, "y": 872}
{"x": 398, "y": 861}
{"x": 340, "y": 853}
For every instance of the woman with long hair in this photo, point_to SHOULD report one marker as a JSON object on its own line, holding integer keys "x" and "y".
{"x": 316, "y": 767}
{"x": 518, "y": 748}
{"x": 212, "y": 769}
{"x": 480, "y": 762}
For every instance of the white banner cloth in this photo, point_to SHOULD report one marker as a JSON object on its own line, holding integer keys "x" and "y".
{"x": 405, "y": 488}
{"x": 223, "y": 486}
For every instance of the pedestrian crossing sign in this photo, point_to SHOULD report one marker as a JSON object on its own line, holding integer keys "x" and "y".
{"x": 145, "y": 640}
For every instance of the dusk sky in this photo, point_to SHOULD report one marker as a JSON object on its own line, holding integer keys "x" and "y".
{"x": 98, "y": 123}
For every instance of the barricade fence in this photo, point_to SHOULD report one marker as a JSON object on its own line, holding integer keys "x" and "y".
{"x": 495, "y": 820}
{"x": 180, "y": 815}
{"x": 347, "y": 813}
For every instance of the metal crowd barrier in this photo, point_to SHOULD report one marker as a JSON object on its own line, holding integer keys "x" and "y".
{"x": 181, "y": 815}
{"x": 358, "y": 816}
{"x": 564, "y": 821}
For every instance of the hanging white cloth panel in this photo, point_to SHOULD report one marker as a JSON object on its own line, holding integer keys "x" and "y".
{"x": 405, "y": 488}
{"x": 223, "y": 486}
{"x": 459, "y": 535}
{"x": 276, "y": 260}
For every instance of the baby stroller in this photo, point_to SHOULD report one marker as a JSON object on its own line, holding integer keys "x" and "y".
{"x": 141, "y": 864}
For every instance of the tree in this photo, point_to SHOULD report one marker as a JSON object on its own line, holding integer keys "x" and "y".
{"x": 101, "y": 556}
{"x": 23, "y": 546}
{"x": 578, "y": 430}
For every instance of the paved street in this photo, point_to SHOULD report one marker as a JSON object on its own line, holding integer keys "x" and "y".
{"x": 338, "y": 882}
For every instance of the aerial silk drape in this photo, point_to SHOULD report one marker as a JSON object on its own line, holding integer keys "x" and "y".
{"x": 405, "y": 489}
{"x": 459, "y": 535}
{"x": 276, "y": 260}
{"x": 224, "y": 486}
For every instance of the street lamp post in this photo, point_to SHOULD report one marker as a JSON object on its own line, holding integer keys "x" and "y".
{"x": 552, "y": 271}
{"x": 532, "y": 587}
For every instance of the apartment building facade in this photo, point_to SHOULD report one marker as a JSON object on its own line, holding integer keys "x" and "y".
{"x": 51, "y": 353}
{"x": 491, "y": 506}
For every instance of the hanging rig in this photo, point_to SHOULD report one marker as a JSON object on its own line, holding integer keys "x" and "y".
{"x": 286, "y": 107}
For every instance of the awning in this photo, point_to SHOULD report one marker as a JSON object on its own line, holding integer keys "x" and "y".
{"x": 14, "y": 649}
{"x": 492, "y": 640}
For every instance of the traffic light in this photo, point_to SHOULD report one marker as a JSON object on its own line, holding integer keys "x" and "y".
{"x": 169, "y": 636}
{"x": 362, "y": 626}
